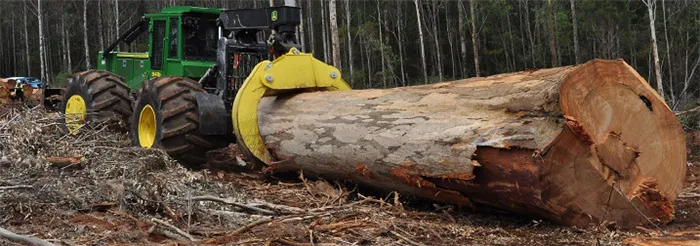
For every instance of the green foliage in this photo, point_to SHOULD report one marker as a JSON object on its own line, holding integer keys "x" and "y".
{"x": 690, "y": 121}
{"x": 355, "y": 81}
{"x": 60, "y": 79}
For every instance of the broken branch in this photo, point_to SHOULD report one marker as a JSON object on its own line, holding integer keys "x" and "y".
{"x": 339, "y": 226}
{"x": 688, "y": 111}
{"x": 405, "y": 239}
{"x": 292, "y": 243}
{"x": 249, "y": 226}
{"x": 240, "y": 205}
{"x": 285, "y": 208}
{"x": 172, "y": 227}
{"x": 16, "y": 187}
{"x": 24, "y": 239}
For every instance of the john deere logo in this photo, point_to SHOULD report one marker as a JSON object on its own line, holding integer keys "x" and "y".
{"x": 274, "y": 16}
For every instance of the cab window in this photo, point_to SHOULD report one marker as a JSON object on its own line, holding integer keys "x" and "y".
{"x": 199, "y": 37}
{"x": 174, "y": 41}
{"x": 157, "y": 44}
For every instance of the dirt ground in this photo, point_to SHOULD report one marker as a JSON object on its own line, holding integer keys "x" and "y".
{"x": 95, "y": 189}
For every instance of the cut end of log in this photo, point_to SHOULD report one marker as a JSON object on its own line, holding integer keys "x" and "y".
{"x": 622, "y": 145}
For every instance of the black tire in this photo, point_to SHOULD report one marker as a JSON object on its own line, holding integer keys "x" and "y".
{"x": 105, "y": 94}
{"x": 177, "y": 120}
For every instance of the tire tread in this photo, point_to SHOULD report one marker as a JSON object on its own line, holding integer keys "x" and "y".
{"x": 180, "y": 136}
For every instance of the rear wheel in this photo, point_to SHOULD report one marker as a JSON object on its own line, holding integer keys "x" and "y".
{"x": 166, "y": 116}
{"x": 94, "y": 96}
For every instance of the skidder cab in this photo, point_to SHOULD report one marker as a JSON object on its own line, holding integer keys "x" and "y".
{"x": 197, "y": 87}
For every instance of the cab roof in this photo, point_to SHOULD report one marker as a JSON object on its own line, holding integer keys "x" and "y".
{"x": 189, "y": 9}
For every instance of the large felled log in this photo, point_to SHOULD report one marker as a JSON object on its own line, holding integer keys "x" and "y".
{"x": 578, "y": 144}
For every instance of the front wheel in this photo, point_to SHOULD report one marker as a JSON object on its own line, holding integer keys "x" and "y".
{"x": 166, "y": 116}
{"x": 94, "y": 96}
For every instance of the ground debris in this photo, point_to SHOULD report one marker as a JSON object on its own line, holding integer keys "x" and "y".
{"x": 677, "y": 238}
{"x": 105, "y": 192}
{"x": 42, "y": 184}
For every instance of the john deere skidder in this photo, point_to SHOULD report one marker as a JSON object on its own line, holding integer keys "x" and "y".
{"x": 198, "y": 86}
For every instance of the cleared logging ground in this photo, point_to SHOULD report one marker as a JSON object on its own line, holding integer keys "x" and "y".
{"x": 102, "y": 191}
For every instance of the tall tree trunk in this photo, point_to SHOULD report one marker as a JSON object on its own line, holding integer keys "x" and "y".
{"x": 529, "y": 33}
{"x": 42, "y": 55}
{"x": 436, "y": 30}
{"x": 556, "y": 39}
{"x": 116, "y": 21}
{"x": 550, "y": 25}
{"x": 381, "y": 43}
{"x": 577, "y": 58}
{"x": 324, "y": 32}
{"x": 48, "y": 53}
{"x": 689, "y": 76}
{"x": 388, "y": 48}
{"x": 100, "y": 25}
{"x": 450, "y": 35}
{"x": 668, "y": 56}
{"x": 361, "y": 43}
{"x": 335, "y": 39}
{"x": 312, "y": 38}
{"x": 436, "y": 24}
{"x": 348, "y": 21}
{"x": 64, "y": 38}
{"x": 523, "y": 42}
{"x": 505, "y": 53}
{"x": 512, "y": 43}
{"x": 302, "y": 33}
{"x": 26, "y": 41}
{"x": 399, "y": 40}
{"x": 14, "y": 43}
{"x": 651, "y": 5}
{"x": 475, "y": 38}
{"x": 593, "y": 42}
{"x": 3, "y": 62}
{"x": 6, "y": 60}
{"x": 634, "y": 49}
{"x": 462, "y": 37}
{"x": 422, "y": 42}
{"x": 69, "y": 64}
{"x": 85, "y": 36}
{"x": 552, "y": 143}
{"x": 368, "y": 56}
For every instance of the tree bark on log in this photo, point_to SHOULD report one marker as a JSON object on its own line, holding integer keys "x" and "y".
{"x": 577, "y": 145}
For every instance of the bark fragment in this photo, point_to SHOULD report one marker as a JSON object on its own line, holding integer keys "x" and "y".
{"x": 656, "y": 203}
